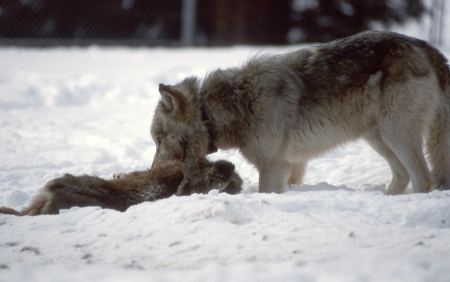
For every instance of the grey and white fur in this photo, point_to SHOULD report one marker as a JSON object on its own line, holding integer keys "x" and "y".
{"x": 282, "y": 110}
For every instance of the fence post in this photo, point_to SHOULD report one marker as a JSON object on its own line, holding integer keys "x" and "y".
{"x": 437, "y": 22}
{"x": 441, "y": 23}
{"x": 188, "y": 22}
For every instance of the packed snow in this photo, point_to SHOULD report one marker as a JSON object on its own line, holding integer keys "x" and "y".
{"x": 88, "y": 111}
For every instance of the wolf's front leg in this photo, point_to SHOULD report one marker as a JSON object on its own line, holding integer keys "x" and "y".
{"x": 193, "y": 181}
{"x": 273, "y": 177}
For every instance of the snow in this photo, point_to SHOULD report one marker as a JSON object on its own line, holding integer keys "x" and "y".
{"x": 89, "y": 111}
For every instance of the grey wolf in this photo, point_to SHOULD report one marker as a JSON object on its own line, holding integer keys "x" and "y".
{"x": 282, "y": 110}
{"x": 125, "y": 190}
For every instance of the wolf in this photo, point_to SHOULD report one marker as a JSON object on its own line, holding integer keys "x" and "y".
{"x": 174, "y": 177}
{"x": 282, "y": 110}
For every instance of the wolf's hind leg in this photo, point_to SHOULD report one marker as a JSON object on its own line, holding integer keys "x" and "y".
{"x": 406, "y": 141}
{"x": 42, "y": 202}
{"x": 400, "y": 176}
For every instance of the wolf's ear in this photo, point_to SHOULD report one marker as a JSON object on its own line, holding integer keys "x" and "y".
{"x": 172, "y": 100}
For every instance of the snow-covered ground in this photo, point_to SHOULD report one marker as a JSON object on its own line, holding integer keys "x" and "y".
{"x": 89, "y": 111}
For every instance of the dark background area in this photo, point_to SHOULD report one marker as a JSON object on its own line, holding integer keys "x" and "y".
{"x": 217, "y": 22}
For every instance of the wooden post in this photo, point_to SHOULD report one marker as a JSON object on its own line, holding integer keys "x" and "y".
{"x": 436, "y": 22}
{"x": 441, "y": 24}
{"x": 188, "y": 15}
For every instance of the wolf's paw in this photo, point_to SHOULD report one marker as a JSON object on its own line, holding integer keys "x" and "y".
{"x": 224, "y": 168}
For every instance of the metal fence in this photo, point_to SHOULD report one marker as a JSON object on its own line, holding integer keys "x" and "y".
{"x": 202, "y": 22}
{"x": 80, "y": 22}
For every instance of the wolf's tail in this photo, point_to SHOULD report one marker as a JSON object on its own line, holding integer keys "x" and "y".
{"x": 438, "y": 143}
{"x": 11, "y": 211}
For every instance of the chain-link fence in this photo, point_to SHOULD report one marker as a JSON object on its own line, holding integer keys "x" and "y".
{"x": 108, "y": 21}
{"x": 196, "y": 22}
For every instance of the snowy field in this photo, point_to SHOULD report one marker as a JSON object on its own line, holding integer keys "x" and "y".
{"x": 88, "y": 111}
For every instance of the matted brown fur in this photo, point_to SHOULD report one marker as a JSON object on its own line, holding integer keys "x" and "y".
{"x": 282, "y": 110}
{"x": 133, "y": 188}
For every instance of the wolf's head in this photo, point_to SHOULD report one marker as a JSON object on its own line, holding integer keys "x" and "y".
{"x": 177, "y": 120}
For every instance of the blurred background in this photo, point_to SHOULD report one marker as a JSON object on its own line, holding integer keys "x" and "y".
{"x": 212, "y": 22}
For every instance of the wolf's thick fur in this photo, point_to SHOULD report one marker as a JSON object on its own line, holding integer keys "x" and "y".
{"x": 282, "y": 110}
{"x": 130, "y": 189}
